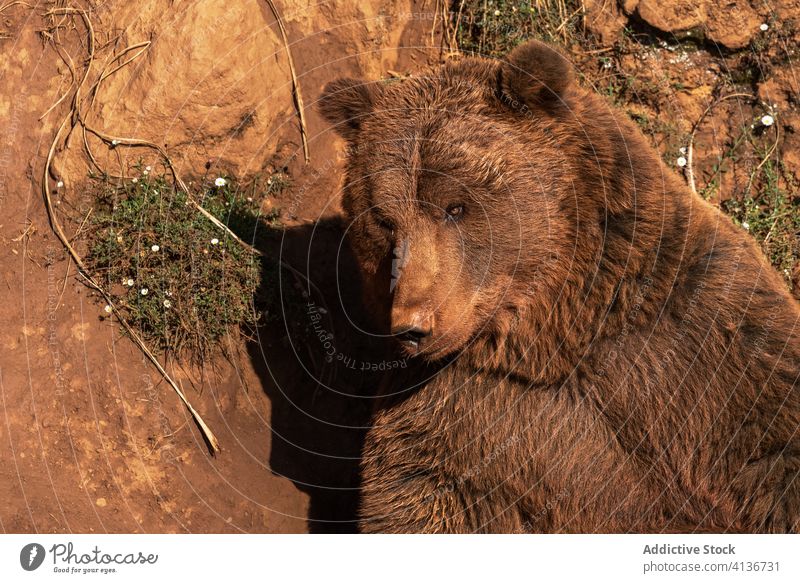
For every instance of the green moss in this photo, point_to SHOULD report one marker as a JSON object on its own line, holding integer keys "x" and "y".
{"x": 179, "y": 280}
{"x": 493, "y": 27}
{"x": 772, "y": 216}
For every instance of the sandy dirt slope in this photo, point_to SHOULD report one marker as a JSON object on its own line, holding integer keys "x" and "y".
{"x": 91, "y": 439}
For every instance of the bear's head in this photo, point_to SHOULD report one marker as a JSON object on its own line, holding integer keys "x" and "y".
{"x": 466, "y": 189}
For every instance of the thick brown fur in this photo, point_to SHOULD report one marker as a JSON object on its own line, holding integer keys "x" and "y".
{"x": 603, "y": 350}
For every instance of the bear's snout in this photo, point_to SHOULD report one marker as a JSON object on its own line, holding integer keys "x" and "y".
{"x": 411, "y": 325}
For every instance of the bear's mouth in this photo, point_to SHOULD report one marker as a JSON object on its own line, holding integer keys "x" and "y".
{"x": 412, "y": 338}
{"x": 428, "y": 346}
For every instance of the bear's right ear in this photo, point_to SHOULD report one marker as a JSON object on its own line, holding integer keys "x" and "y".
{"x": 345, "y": 103}
{"x": 537, "y": 75}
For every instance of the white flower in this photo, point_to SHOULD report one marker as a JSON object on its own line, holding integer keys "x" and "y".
{"x": 145, "y": 173}
{"x": 220, "y": 181}
{"x": 681, "y": 161}
{"x": 497, "y": 13}
{"x": 167, "y": 304}
{"x": 767, "y": 120}
{"x": 154, "y": 248}
{"x": 169, "y": 294}
{"x": 745, "y": 225}
{"x": 130, "y": 283}
{"x": 764, "y": 27}
{"x": 60, "y": 184}
{"x": 682, "y": 150}
{"x": 215, "y": 241}
{"x": 107, "y": 309}
{"x": 144, "y": 291}
{"x": 134, "y": 180}
{"x": 147, "y": 168}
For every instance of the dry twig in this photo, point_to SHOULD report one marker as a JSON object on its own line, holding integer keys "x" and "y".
{"x": 690, "y": 145}
{"x": 72, "y": 118}
{"x": 298, "y": 97}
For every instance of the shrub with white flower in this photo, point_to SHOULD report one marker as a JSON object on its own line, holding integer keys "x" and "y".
{"x": 767, "y": 120}
{"x": 764, "y": 27}
{"x": 220, "y": 182}
{"x": 745, "y": 225}
{"x": 154, "y": 297}
{"x": 681, "y": 161}
{"x": 108, "y": 309}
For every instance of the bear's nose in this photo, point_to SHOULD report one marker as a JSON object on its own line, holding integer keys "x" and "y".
{"x": 411, "y": 324}
{"x": 411, "y": 337}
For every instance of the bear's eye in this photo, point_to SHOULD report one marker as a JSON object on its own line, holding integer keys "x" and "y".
{"x": 455, "y": 212}
{"x": 385, "y": 224}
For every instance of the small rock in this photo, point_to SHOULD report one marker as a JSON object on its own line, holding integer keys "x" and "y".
{"x": 732, "y": 24}
{"x": 674, "y": 16}
{"x": 604, "y": 20}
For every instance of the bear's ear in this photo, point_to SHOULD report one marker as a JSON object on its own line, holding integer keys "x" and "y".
{"x": 537, "y": 75}
{"x": 345, "y": 103}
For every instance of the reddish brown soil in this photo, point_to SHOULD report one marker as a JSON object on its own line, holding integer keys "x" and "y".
{"x": 91, "y": 438}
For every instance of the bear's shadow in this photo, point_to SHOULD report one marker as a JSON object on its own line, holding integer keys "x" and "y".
{"x": 310, "y": 353}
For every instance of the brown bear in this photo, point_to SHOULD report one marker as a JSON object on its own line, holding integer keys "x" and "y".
{"x": 600, "y": 349}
